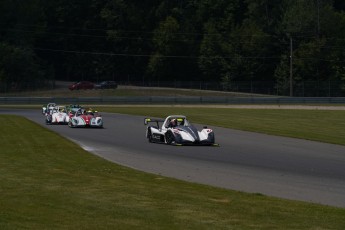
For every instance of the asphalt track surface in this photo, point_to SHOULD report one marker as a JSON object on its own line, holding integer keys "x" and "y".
{"x": 256, "y": 163}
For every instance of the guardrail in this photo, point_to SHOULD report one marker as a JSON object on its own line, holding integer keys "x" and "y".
{"x": 171, "y": 100}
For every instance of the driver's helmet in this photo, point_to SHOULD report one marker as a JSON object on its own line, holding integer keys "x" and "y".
{"x": 173, "y": 122}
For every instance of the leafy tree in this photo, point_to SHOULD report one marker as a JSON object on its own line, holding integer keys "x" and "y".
{"x": 310, "y": 23}
{"x": 161, "y": 63}
{"x": 20, "y": 68}
{"x": 213, "y": 53}
{"x": 73, "y": 38}
{"x": 217, "y": 53}
{"x": 240, "y": 47}
{"x": 22, "y": 23}
{"x": 207, "y": 40}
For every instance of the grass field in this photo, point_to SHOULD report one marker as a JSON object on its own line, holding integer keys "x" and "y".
{"x": 48, "y": 182}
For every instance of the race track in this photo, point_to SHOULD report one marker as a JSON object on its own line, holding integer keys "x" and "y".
{"x": 256, "y": 163}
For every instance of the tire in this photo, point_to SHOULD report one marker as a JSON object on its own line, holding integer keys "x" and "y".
{"x": 149, "y": 136}
{"x": 169, "y": 138}
{"x": 48, "y": 120}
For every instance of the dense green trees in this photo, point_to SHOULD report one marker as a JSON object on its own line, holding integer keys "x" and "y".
{"x": 195, "y": 40}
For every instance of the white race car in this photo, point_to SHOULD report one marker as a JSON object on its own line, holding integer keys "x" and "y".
{"x": 176, "y": 130}
{"x": 57, "y": 115}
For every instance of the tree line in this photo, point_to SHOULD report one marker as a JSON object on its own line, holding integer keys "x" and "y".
{"x": 280, "y": 41}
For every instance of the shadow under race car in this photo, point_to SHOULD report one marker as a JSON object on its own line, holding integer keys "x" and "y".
{"x": 176, "y": 130}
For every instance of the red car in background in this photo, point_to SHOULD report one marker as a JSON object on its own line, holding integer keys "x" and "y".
{"x": 82, "y": 85}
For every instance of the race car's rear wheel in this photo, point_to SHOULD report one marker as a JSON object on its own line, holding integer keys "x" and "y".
{"x": 169, "y": 138}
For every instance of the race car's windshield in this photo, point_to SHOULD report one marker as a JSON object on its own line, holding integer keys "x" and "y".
{"x": 177, "y": 121}
{"x": 79, "y": 112}
{"x": 89, "y": 113}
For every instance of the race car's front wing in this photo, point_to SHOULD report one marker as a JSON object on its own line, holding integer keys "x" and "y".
{"x": 96, "y": 122}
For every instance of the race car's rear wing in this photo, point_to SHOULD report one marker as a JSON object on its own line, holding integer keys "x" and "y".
{"x": 148, "y": 120}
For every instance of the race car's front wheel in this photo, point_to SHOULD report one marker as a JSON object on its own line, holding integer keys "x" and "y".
{"x": 149, "y": 135}
{"x": 169, "y": 138}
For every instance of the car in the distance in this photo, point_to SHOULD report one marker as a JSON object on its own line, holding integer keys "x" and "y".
{"x": 72, "y": 109}
{"x": 57, "y": 115}
{"x": 46, "y": 108}
{"x": 106, "y": 85}
{"x": 82, "y": 85}
{"x": 86, "y": 118}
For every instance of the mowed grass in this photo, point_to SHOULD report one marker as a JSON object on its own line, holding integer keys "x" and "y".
{"x": 318, "y": 125}
{"x": 48, "y": 182}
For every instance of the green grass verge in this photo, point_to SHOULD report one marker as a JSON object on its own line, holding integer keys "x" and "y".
{"x": 318, "y": 125}
{"x": 48, "y": 182}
